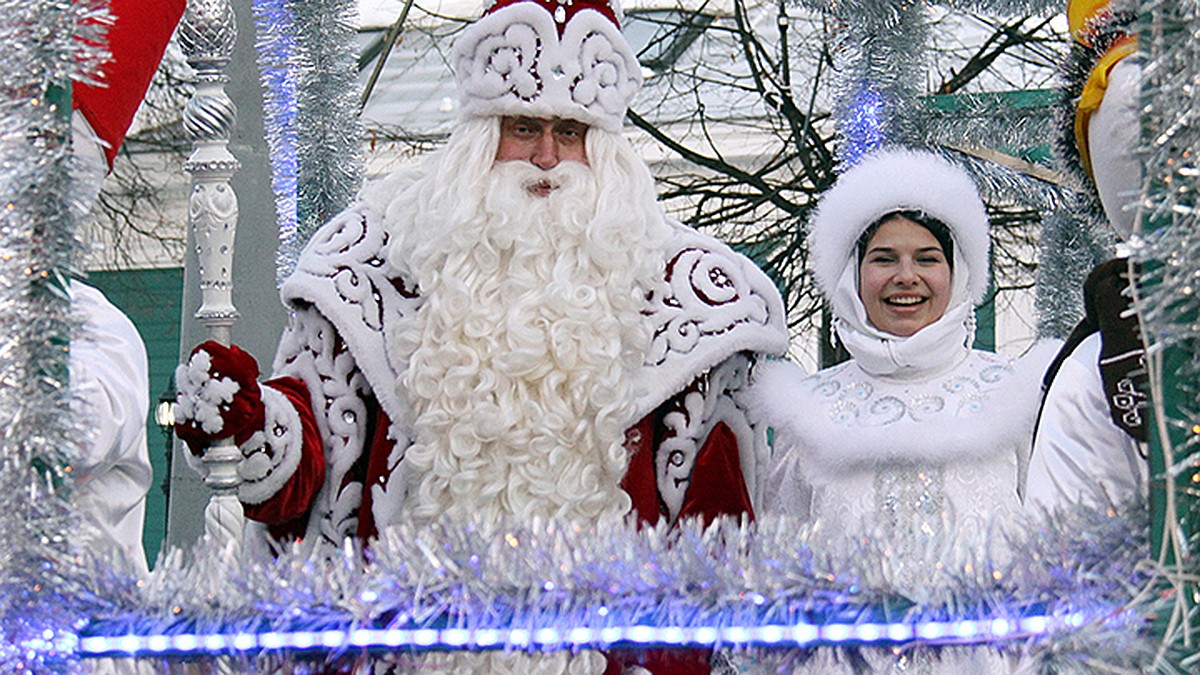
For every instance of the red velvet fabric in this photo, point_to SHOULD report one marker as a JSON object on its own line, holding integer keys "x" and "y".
{"x": 377, "y": 474}
{"x": 569, "y": 9}
{"x": 720, "y": 487}
{"x": 136, "y": 40}
{"x": 661, "y": 661}
{"x": 717, "y": 488}
{"x": 639, "y": 480}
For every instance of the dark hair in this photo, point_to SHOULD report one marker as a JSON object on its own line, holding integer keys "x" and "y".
{"x": 937, "y": 228}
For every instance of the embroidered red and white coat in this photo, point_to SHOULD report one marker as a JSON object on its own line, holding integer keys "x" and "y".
{"x": 327, "y": 464}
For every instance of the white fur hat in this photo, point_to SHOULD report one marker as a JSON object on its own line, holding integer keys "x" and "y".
{"x": 548, "y": 58}
{"x": 899, "y": 180}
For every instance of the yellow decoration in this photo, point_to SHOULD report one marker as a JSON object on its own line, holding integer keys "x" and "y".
{"x": 1079, "y": 13}
{"x": 1093, "y": 94}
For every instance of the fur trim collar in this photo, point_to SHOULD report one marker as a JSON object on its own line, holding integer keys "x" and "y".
{"x": 843, "y": 419}
{"x": 711, "y": 304}
{"x": 895, "y": 180}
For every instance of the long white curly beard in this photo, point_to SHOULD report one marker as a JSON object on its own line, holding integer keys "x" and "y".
{"x": 522, "y": 355}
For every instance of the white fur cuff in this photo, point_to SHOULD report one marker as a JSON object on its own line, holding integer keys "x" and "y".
{"x": 271, "y": 455}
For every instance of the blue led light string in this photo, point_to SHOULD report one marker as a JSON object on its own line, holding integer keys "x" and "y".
{"x": 959, "y": 632}
{"x": 445, "y": 586}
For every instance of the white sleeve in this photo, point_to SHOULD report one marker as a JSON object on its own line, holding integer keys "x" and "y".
{"x": 1080, "y": 454}
{"x": 773, "y": 402}
{"x": 110, "y": 395}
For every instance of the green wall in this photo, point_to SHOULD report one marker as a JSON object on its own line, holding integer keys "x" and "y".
{"x": 151, "y": 298}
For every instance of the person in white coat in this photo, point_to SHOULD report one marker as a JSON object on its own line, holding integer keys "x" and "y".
{"x": 110, "y": 390}
{"x": 107, "y": 366}
{"x": 914, "y": 443}
{"x": 1090, "y": 447}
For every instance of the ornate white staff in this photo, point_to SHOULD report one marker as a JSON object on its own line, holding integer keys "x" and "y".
{"x": 207, "y": 36}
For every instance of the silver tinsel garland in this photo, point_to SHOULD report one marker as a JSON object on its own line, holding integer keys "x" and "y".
{"x": 279, "y": 64}
{"x": 880, "y": 63}
{"x": 1073, "y": 241}
{"x": 549, "y": 579}
{"x": 984, "y": 120}
{"x": 1171, "y": 94}
{"x": 1008, "y": 7}
{"x": 1001, "y": 185}
{"x": 45, "y": 43}
{"x": 879, "y": 60}
{"x": 884, "y": 7}
{"x": 307, "y": 54}
{"x": 1169, "y": 250}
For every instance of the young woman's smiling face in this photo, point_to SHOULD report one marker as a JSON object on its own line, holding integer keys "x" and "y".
{"x": 904, "y": 278}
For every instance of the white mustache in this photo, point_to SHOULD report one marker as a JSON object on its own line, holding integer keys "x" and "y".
{"x": 528, "y": 176}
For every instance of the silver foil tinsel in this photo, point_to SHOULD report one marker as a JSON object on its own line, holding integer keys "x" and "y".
{"x": 994, "y": 7}
{"x": 1171, "y": 96}
{"x": 879, "y": 66}
{"x": 1008, "y": 7}
{"x": 307, "y": 54}
{"x": 1074, "y": 240}
{"x": 986, "y": 121}
{"x": 999, "y": 184}
{"x": 557, "y": 576}
{"x": 46, "y": 44}
{"x": 879, "y": 62}
{"x": 1168, "y": 247}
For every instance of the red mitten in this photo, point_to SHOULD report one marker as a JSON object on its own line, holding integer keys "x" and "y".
{"x": 217, "y": 396}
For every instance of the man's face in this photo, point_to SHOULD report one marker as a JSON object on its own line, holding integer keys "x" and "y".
{"x": 542, "y": 141}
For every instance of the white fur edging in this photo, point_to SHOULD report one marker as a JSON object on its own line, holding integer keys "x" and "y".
{"x": 512, "y": 62}
{"x": 711, "y": 304}
{"x": 892, "y": 181}
{"x": 272, "y": 454}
